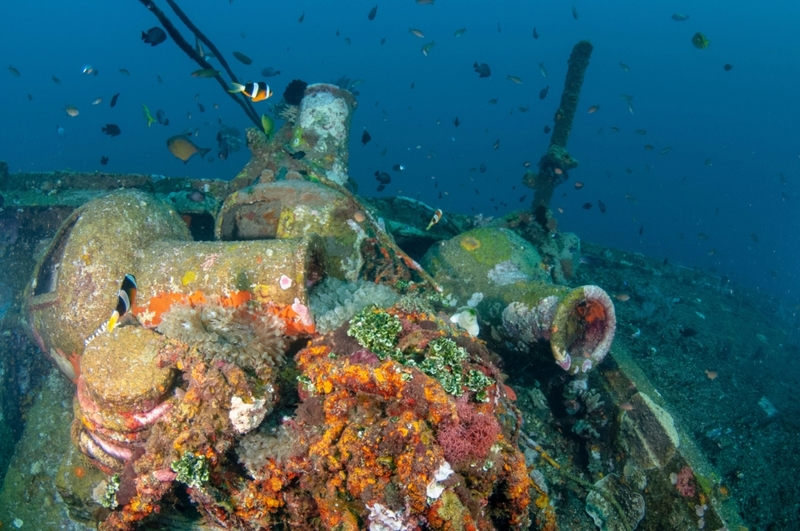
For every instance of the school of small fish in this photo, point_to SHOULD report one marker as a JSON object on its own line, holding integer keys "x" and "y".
{"x": 254, "y": 91}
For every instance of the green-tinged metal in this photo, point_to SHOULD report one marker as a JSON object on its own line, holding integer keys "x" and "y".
{"x": 70, "y": 189}
{"x": 505, "y": 279}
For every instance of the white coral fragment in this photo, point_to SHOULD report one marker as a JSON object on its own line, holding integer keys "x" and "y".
{"x": 467, "y": 319}
{"x": 247, "y": 416}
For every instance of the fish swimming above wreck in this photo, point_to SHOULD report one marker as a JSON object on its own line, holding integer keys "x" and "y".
{"x": 184, "y": 149}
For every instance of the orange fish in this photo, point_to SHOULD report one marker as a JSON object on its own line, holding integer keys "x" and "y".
{"x": 509, "y": 393}
{"x": 435, "y": 219}
{"x": 626, "y": 406}
{"x": 712, "y": 375}
{"x": 255, "y": 91}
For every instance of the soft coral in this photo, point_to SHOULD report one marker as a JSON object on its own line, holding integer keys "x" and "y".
{"x": 469, "y": 438}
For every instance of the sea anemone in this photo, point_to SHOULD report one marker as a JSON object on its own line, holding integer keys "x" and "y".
{"x": 335, "y": 301}
{"x": 286, "y": 112}
{"x": 251, "y": 339}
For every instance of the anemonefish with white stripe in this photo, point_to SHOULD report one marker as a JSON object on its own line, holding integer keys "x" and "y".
{"x": 125, "y": 299}
{"x": 255, "y": 91}
{"x": 435, "y": 219}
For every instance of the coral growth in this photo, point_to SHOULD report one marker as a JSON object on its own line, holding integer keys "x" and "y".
{"x": 684, "y": 482}
{"x": 389, "y": 428}
{"x": 469, "y": 439}
{"x": 409, "y": 439}
{"x": 334, "y": 301}
{"x": 191, "y": 469}
{"x": 470, "y": 243}
{"x": 252, "y": 339}
{"x": 376, "y": 331}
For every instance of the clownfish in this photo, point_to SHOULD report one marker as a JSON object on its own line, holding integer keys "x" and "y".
{"x": 435, "y": 219}
{"x": 255, "y": 91}
{"x": 125, "y": 299}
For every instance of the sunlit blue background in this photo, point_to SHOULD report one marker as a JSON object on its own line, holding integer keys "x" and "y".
{"x": 746, "y": 121}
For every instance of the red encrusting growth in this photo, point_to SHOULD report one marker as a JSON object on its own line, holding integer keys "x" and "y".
{"x": 470, "y": 437}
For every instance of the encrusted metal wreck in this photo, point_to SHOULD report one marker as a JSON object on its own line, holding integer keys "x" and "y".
{"x": 217, "y": 396}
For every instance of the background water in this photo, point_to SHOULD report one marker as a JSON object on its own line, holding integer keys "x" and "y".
{"x": 745, "y": 121}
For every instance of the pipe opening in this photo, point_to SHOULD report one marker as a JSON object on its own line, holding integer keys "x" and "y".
{"x": 583, "y": 329}
{"x": 47, "y": 279}
{"x": 201, "y": 226}
{"x": 589, "y": 330}
{"x": 253, "y": 221}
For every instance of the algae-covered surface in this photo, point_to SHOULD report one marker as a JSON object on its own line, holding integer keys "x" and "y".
{"x": 717, "y": 358}
{"x": 698, "y": 345}
{"x": 29, "y": 498}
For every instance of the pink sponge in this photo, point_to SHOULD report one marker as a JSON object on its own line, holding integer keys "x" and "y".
{"x": 685, "y": 482}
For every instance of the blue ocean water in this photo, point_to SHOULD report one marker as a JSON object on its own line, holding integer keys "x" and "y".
{"x": 715, "y": 200}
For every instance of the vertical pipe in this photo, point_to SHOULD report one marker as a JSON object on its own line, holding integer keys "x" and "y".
{"x": 555, "y": 164}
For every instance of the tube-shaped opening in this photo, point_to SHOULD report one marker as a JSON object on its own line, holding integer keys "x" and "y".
{"x": 583, "y": 329}
{"x": 47, "y": 276}
{"x": 252, "y": 221}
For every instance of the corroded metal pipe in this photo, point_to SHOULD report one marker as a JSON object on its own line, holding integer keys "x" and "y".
{"x": 579, "y": 324}
{"x": 274, "y": 271}
{"x": 322, "y": 130}
{"x": 292, "y": 208}
{"x": 505, "y": 279}
{"x": 556, "y": 163}
{"x": 75, "y": 286}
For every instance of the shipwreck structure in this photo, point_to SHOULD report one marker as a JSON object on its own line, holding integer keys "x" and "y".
{"x": 284, "y": 363}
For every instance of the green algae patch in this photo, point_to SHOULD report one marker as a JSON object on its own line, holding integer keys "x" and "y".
{"x": 487, "y": 260}
{"x": 377, "y": 331}
{"x": 485, "y": 246}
